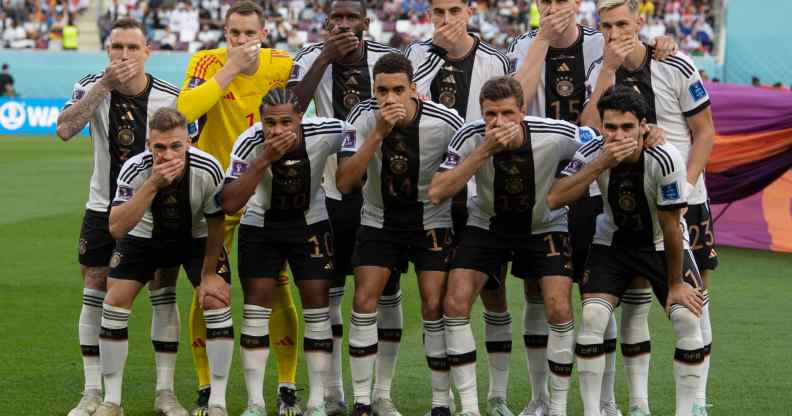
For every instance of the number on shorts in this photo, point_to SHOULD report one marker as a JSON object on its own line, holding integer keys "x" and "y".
{"x": 433, "y": 235}
{"x": 318, "y": 242}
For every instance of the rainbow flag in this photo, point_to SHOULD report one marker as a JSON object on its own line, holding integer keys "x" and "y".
{"x": 749, "y": 174}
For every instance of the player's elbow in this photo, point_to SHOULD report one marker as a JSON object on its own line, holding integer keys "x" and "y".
{"x": 116, "y": 229}
{"x": 435, "y": 194}
{"x": 344, "y": 181}
{"x": 554, "y": 199}
{"x": 62, "y": 133}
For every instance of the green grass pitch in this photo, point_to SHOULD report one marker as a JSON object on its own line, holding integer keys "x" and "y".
{"x": 43, "y": 192}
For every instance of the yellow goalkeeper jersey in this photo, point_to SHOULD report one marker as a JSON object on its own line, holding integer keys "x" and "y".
{"x": 218, "y": 117}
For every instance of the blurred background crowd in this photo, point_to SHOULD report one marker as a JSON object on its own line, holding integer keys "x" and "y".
{"x": 197, "y": 24}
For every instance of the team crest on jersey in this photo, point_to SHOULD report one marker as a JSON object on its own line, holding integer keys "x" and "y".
{"x": 349, "y": 139}
{"x": 238, "y": 168}
{"x": 126, "y": 137}
{"x": 514, "y": 185}
{"x": 627, "y": 201}
{"x": 83, "y": 246}
{"x": 564, "y": 86}
{"x": 351, "y": 89}
{"x": 398, "y": 164}
{"x": 125, "y": 192}
{"x": 697, "y": 91}
{"x": 116, "y": 259}
{"x": 670, "y": 192}
{"x": 448, "y": 87}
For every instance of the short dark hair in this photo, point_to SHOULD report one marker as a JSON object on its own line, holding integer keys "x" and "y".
{"x": 393, "y": 63}
{"x": 363, "y": 4}
{"x": 166, "y": 119}
{"x": 500, "y": 88}
{"x": 245, "y": 8}
{"x": 624, "y": 99}
{"x": 129, "y": 23}
{"x": 281, "y": 96}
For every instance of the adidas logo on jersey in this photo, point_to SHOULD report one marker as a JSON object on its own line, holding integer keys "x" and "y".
{"x": 230, "y": 96}
{"x": 563, "y": 67}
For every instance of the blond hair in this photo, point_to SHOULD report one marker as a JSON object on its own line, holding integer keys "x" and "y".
{"x": 603, "y": 5}
{"x": 166, "y": 119}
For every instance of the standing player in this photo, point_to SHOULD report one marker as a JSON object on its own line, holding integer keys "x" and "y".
{"x": 401, "y": 142}
{"x": 163, "y": 200}
{"x": 679, "y": 104}
{"x": 450, "y": 69}
{"x": 276, "y": 174}
{"x": 222, "y": 92}
{"x": 514, "y": 159}
{"x": 117, "y": 102}
{"x": 639, "y": 234}
{"x": 554, "y": 65}
{"x": 337, "y": 75}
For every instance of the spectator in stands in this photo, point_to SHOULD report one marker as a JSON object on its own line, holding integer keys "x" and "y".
{"x": 647, "y": 9}
{"x": 70, "y": 36}
{"x": 587, "y": 13}
{"x": 704, "y": 75}
{"x": 6, "y": 83}
{"x": 755, "y": 81}
{"x": 15, "y": 37}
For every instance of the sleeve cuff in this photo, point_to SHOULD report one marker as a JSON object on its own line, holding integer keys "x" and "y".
{"x": 672, "y": 207}
{"x": 697, "y": 110}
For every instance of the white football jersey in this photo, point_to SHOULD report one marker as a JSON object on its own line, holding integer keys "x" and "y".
{"x": 119, "y": 129}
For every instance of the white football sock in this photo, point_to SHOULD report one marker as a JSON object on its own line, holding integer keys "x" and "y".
{"x": 706, "y": 335}
{"x": 318, "y": 349}
{"x": 335, "y": 380}
{"x": 636, "y": 345}
{"x": 688, "y": 358}
{"x": 498, "y": 336}
{"x": 389, "y": 332}
{"x": 590, "y": 352}
{"x": 219, "y": 351}
{"x": 535, "y": 339}
{"x": 435, "y": 348}
{"x": 362, "y": 353}
{"x": 165, "y": 334}
{"x": 560, "y": 356}
{"x": 114, "y": 348}
{"x": 609, "y": 376}
{"x": 461, "y": 348}
{"x": 88, "y": 329}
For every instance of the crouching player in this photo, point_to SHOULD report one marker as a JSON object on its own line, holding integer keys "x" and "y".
{"x": 164, "y": 199}
{"x": 276, "y": 174}
{"x": 640, "y": 233}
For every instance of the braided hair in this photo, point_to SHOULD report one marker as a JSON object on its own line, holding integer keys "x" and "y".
{"x": 281, "y": 96}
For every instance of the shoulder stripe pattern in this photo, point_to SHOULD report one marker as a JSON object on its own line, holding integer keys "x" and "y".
{"x": 131, "y": 172}
{"x": 590, "y": 147}
{"x": 497, "y": 54}
{"x": 529, "y": 34}
{"x": 363, "y": 106}
{"x": 164, "y": 86}
{"x": 663, "y": 158}
{"x": 308, "y": 49}
{"x": 208, "y": 165}
{"x": 427, "y": 67}
{"x": 379, "y": 47}
{"x": 433, "y": 110}
{"x": 84, "y": 81}
{"x": 204, "y": 64}
{"x": 566, "y": 129}
{"x": 247, "y": 145}
{"x": 465, "y": 133}
{"x": 680, "y": 64}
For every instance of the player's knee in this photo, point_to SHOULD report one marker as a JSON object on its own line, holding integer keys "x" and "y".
{"x": 456, "y": 305}
{"x": 495, "y": 300}
{"x": 558, "y": 309}
{"x": 365, "y": 302}
{"x": 432, "y": 307}
{"x": 210, "y": 303}
{"x": 118, "y": 299}
{"x": 595, "y": 316}
{"x": 686, "y": 324}
{"x": 95, "y": 277}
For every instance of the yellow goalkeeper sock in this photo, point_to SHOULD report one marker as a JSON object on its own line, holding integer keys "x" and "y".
{"x": 283, "y": 330}
{"x": 198, "y": 342}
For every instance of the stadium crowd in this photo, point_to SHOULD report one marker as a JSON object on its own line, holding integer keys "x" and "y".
{"x": 186, "y": 26}
{"x": 42, "y": 24}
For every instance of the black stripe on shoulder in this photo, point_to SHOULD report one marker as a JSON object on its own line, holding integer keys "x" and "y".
{"x": 248, "y": 144}
{"x": 363, "y": 106}
{"x": 496, "y": 53}
{"x": 166, "y": 89}
{"x": 678, "y": 66}
{"x": 89, "y": 79}
{"x": 207, "y": 167}
{"x": 663, "y": 158}
{"x": 380, "y": 47}
{"x": 682, "y": 62}
{"x": 427, "y": 67}
{"x": 466, "y": 133}
{"x": 208, "y": 161}
{"x": 526, "y": 35}
{"x": 129, "y": 174}
{"x": 589, "y": 30}
{"x": 450, "y": 116}
{"x": 326, "y": 130}
{"x": 164, "y": 84}
{"x": 548, "y": 130}
{"x": 316, "y": 125}
{"x": 592, "y": 66}
{"x": 308, "y": 49}
{"x": 547, "y": 125}
{"x": 590, "y": 147}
